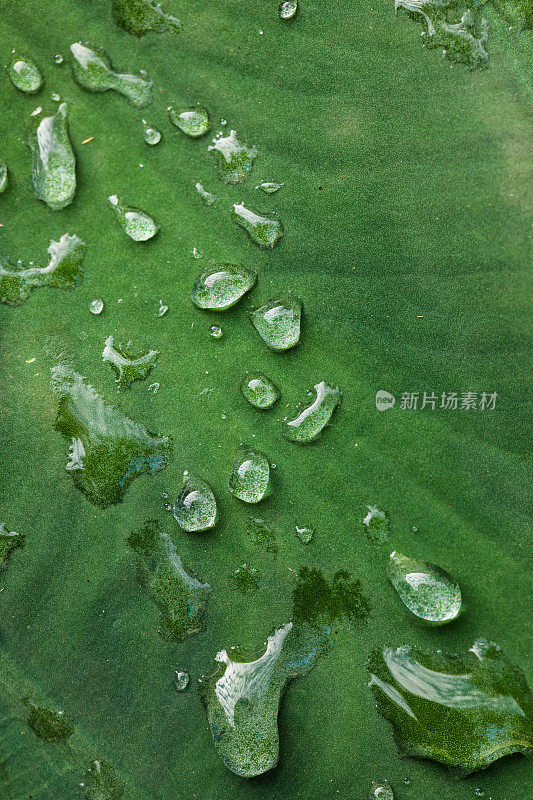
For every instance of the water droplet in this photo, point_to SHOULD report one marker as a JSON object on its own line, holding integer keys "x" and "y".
{"x": 181, "y": 598}
{"x": 464, "y": 711}
{"x": 36, "y": 112}
{"x": 259, "y": 390}
{"x": 96, "y": 306}
{"x": 463, "y": 42}
{"x": 151, "y": 135}
{"x": 8, "y": 541}
{"x": 250, "y": 475}
{"x": 313, "y": 419}
{"x": 3, "y": 176}
{"x": 264, "y": 231}
{"x": 126, "y": 368}
{"x": 305, "y": 535}
{"x": 381, "y": 790}
{"x": 235, "y": 159}
{"x": 206, "y": 196}
{"x": 102, "y": 783}
{"x": 138, "y": 225}
{"x": 192, "y": 121}
{"x": 167, "y": 506}
{"x": 223, "y": 121}
{"x": 221, "y": 286}
{"x": 407, "y": 781}
{"x": 64, "y": 271}
{"x": 414, "y": 529}
{"x": 269, "y": 188}
{"x": 164, "y": 495}
{"x": 107, "y": 449}
{"x": 216, "y": 332}
{"x": 24, "y": 74}
{"x": 53, "y": 161}
{"x": 92, "y": 71}
{"x": 49, "y": 725}
{"x": 376, "y": 524}
{"x": 262, "y": 534}
{"x": 162, "y": 309}
{"x": 141, "y": 16}
{"x": 278, "y": 322}
{"x": 288, "y": 9}
{"x": 58, "y": 58}
{"x": 55, "y": 97}
{"x": 196, "y": 253}
{"x": 428, "y": 591}
{"x": 245, "y": 578}
{"x": 195, "y": 509}
{"x": 479, "y": 792}
{"x": 181, "y": 680}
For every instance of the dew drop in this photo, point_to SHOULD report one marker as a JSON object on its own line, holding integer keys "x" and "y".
{"x": 137, "y": 224}
{"x": 313, "y": 419}
{"x": 181, "y": 680}
{"x": 223, "y": 121}
{"x": 151, "y": 135}
{"x": 24, "y": 74}
{"x": 206, "y": 196}
{"x": 58, "y": 58}
{"x": 428, "y": 591}
{"x": 194, "y": 122}
{"x": 55, "y": 97}
{"x": 92, "y": 71}
{"x": 195, "y": 509}
{"x": 269, "y": 188}
{"x": 249, "y": 478}
{"x": 479, "y": 792}
{"x": 216, "y": 332}
{"x": 235, "y": 159}
{"x": 381, "y": 790}
{"x": 288, "y": 9}
{"x": 305, "y": 535}
{"x": 376, "y": 524}
{"x": 264, "y": 231}
{"x": 96, "y": 306}
{"x": 167, "y": 506}
{"x": 221, "y": 286}
{"x": 4, "y": 179}
{"x": 278, "y": 322}
{"x": 162, "y": 309}
{"x": 53, "y": 161}
{"x": 196, "y": 253}
{"x": 259, "y": 390}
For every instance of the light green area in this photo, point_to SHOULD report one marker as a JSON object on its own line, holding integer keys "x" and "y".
{"x": 411, "y": 263}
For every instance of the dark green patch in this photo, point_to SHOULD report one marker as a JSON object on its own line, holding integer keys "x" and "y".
{"x": 8, "y": 541}
{"x": 140, "y": 16}
{"x": 49, "y": 725}
{"x": 102, "y": 783}
{"x": 316, "y": 602}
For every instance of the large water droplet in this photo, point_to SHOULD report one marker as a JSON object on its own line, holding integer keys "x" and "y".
{"x": 288, "y": 9}
{"x": 428, "y": 591}
{"x": 8, "y": 541}
{"x": 181, "y": 680}
{"x": 221, "y": 286}
{"x": 464, "y": 711}
{"x": 107, "y": 449}
{"x": 140, "y": 16}
{"x": 259, "y": 390}
{"x": 376, "y": 524}
{"x": 195, "y": 509}
{"x": 269, "y": 188}
{"x": 463, "y": 41}
{"x": 264, "y": 231}
{"x": 53, "y": 161}
{"x": 381, "y": 790}
{"x": 135, "y": 222}
{"x": 151, "y": 135}
{"x": 181, "y": 598}
{"x": 126, "y": 368}
{"x": 24, "y": 74}
{"x": 278, "y": 322}
{"x": 250, "y": 475}
{"x": 313, "y": 419}
{"x": 92, "y": 70}
{"x": 206, "y": 196}
{"x": 64, "y": 271}
{"x": 192, "y": 121}
{"x": 102, "y": 783}
{"x": 49, "y": 725}
{"x": 3, "y": 176}
{"x": 245, "y": 578}
{"x": 235, "y": 159}
{"x": 96, "y": 306}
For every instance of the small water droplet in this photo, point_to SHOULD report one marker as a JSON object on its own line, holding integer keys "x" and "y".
{"x": 414, "y": 529}
{"x": 154, "y": 387}
{"x": 181, "y": 680}
{"x": 4, "y": 179}
{"x": 223, "y": 121}
{"x": 151, "y": 135}
{"x": 305, "y": 535}
{"x": 288, "y": 9}
{"x": 55, "y": 97}
{"x": 196, "y": 253}
{"x": 314, "y": 418}
{"x": 167, "y": 506}
{"x": 221, "y": 286}
{"x": 58, "y": 58}
{"x": 278, "y": 322}
{"x": 92, "y": 71}
{"x": 376, "y": 524}
{"x": 24, "y": 74}
{"x": 259, "y": 390}
{"x": 216, "y": 331}
{"x": 162, "y": 309}
{"x": 428, "y": 591}
{"x": 269, "y": 187}
{"x": 195, "y": 509}
{"x": 96, "y": 306}
{"x": 407, "y": 781}
{"x": 479, "y": 792}
{"x": 135, "y": 222}
{"x": 250, "y": 475}
{"x": 206, "y": 196}
{"x": 381, "y": 790}
{"x": 194, "y": 122}
{"x": 126, "y": 368}
{"x": 264, "y": 231}
{"x": 235, "y": 159}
